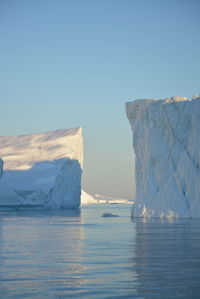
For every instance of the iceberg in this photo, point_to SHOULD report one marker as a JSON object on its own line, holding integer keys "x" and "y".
{"x": 42, "y": 169}
{"x": 87, "y": 199}
{"x": 166, "y": 141}
{"x": 1, "y": 167}
{"x": 110, "y": 200}
{"x": 109, "y": 215}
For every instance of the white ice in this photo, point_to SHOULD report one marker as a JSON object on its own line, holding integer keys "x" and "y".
{"x": 42, "y": 169}
{"x": 166, "y": 141}
{"x": 87, "y": 199}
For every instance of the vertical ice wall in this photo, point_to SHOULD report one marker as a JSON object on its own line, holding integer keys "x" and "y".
{"x": 1, "y": 167}
{"x": 166, "y": 141}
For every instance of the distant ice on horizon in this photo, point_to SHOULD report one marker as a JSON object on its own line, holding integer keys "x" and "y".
{"x": 101, "y": 199}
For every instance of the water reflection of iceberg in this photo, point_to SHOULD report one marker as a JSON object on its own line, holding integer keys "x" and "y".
{"x": 167, "y": 258}
{"x": 40, "y": 252}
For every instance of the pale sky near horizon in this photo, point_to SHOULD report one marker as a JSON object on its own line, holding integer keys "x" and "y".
{"x": 71, "y": 63}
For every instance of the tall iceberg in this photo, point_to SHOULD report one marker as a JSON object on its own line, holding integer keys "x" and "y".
{"x": 166, "y": 141}
{"x": 42, "y": 169}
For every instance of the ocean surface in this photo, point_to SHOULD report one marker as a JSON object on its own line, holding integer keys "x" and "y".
{"x": 79, "y": 254}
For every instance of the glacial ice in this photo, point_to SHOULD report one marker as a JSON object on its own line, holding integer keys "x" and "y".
{"x": 42, "y": 169}
{"x": 109, "y": 199}
{"x": 1, "y": 167}
{"x": 101, "y": 199}
{"x": 87, "y": 199}
{"x": 166, "y": 141}
{"x": 109, "y": 215}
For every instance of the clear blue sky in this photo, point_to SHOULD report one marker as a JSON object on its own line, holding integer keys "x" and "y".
{"x": 71, "y": 63}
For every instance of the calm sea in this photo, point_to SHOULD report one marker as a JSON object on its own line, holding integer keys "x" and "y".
{"x": 79, "y": 254}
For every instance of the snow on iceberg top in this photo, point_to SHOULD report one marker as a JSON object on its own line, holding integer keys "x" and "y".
{"x": 164, "y": 101}
{"x": 24, "y": 151}
{"x": 134, "y": 106}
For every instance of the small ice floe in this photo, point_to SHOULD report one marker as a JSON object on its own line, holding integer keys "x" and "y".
{"x": 109, "y": 215}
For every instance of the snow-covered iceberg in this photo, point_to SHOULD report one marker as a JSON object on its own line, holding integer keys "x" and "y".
{"x": 87, "y": 199}
{"x": 42, "y": 169}
{"x": 109, "y": 199}
{"x": 166, "y": 141}
{"x": 101, "y": 199}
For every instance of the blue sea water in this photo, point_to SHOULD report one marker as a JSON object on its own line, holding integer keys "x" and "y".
{"x": 79, "y": 254}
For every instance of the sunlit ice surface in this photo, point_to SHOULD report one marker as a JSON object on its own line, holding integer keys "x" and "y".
{"x": 79, "y": 254}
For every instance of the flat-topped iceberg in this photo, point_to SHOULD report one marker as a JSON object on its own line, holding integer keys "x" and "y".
{"x": 166, "y": 141}
{"x": 42, "y": 169}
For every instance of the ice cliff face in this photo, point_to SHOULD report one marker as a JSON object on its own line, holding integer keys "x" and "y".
{"x": 166, "y": 141}
{"x": 1, "y": 167}
{"x": 42, "y": 169}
